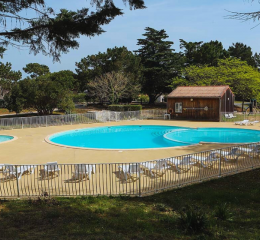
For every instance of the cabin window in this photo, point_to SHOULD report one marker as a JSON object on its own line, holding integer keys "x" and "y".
{"x": 178, "y": 107}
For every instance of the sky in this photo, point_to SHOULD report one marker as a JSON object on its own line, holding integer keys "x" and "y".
{"x": 191, "y": 20}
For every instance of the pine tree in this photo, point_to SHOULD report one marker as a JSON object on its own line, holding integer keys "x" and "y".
{"x": 159, "y": 62}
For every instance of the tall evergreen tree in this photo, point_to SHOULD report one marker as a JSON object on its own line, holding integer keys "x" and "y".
{"x": 199, "y": 53}
{"x": 160, "y": 63}
{"x": 243, "y": 52}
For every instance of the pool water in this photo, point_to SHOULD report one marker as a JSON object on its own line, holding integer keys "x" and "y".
{"x": 150, "y": 136}
{"x": 214, "y": 135}
{"x": 118, "y": 137}
{"x": 4, "y": 138}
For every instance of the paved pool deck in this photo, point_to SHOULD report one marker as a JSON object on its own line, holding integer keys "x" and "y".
{"x": 30, "y": 146}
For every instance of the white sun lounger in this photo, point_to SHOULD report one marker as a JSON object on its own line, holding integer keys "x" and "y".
{"x": 156, "y": 167}
{"x": 50, "y": 169}
{"x": 251, "y": 150}
{"x": 206, "y": 162}
{"x": 244, "y": 122}
{"x": 12, "y": 172}
{"x": 129, "y": 169}
{"x": 183, "y": 164}
{"x": 232, "y": 116}
{"x": 83, "y": 171}
{"x": 226, "y": 155}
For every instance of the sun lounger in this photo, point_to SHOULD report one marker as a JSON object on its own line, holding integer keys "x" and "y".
{"x": 50, "y": 169}
{"x": 253, "y": 122}
{"x": 83, "y": 171}
{"x": 208, "y": 161}
{"x": 251, "y": 150}
{"x": 232, "y": 116}
{"x": 129, "y": 169}
{"x": 12, "y": 171}
{"x": 183, "y": 164}
{"x": 227, "y": 116}
{"x": 229, "y": 156}
{"x": 157, "y": 167}
{"x": 244, "y": 122}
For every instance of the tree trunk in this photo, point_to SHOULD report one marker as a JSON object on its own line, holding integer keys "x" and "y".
{"x": 152, "y": 99}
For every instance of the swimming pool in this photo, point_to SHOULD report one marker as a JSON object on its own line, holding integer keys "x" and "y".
{"x": 4, "y": 138}
{"x": 149, "y": 137}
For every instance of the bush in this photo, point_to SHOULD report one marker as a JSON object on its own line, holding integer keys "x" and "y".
{"x": 222, "y": 212}
{"x": 193, "y": 220}
{"x": 122, "y": 108}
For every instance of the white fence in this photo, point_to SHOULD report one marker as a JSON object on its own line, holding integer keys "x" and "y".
{"x": 90, "y": 117}
{"x": 136, "y": 179}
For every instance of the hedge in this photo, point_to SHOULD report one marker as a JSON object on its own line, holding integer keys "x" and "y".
{"x": 122, "y": 108}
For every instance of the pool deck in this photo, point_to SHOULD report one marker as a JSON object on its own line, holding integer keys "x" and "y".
{"x": 30, "y": 146}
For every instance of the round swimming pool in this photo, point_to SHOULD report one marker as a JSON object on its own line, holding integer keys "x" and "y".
{"x": 150, "y": 136}
{"x": 4, "y": 138}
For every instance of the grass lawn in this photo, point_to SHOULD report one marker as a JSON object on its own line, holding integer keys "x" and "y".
{"x": 155, "y": 217}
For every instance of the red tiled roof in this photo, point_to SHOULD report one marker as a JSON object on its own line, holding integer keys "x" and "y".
{"x": 198, "y": 91}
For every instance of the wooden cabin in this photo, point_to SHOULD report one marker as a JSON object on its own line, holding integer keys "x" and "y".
{"x": 200, "y": 102}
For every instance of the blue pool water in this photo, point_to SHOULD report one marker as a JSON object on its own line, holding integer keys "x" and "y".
{"x": 147, "y": 137}
{"x": 214, "y": 135}
{"x": 5, "y": 138}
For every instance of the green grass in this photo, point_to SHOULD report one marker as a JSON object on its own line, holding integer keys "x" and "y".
{"x": 154, "y": 217}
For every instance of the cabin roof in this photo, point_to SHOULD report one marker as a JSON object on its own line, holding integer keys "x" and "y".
{"x": 199, "y": 92}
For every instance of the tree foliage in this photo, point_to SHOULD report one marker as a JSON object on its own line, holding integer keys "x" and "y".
{"x": 117, "y": 59}
{"x": 36, "y": 69}
{"x": 44, "y": 93}
{"x": 112, "y": 87}
{"x": 243, "y": 52}
{"x": 60, "y": 30}
{"x": 160, "y": 63}
{"x": 8, "y": 76}
{"x": 243, "y": 79}
{"x": 203, "y": 53}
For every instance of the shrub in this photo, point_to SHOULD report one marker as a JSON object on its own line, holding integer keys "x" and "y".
{"x": 222, "y": 212}
{"x": 122, "y": 108}
{"x": 193, "y": 220}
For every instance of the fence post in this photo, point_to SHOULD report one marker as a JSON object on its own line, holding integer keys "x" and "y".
{"x": 17, "y": 183}
{"x": 22, "y": 123}
{"x": 46, "y": 122}
{"x": 219, "y": 175}
{"x": 139, "y": 169}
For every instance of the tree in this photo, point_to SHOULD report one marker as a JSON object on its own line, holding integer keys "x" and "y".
{"x": 243, "y": 52}
{"x": 117, "y": 59}
{"x": 36, "y": 69}
{"x": 198, "y": 53}
{"x": 59, "y": 30}
{"x": 44, "y": 93}
{"x": 160, "y": 63}
{"x": 8, "y": 76}
{"x": 244, "y": 80}
{"x": 190, "y": 50}
{"x": 112, "y": 87}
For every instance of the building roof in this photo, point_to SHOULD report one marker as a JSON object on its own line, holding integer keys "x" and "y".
{"x": 198, "y": 92}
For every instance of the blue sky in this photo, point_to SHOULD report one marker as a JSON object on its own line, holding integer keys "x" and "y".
{"x": 191, "y": 20}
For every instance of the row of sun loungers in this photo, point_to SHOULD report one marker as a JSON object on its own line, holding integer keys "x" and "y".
{"x": 246, "y": 122}
{"x": 154, "y": 168}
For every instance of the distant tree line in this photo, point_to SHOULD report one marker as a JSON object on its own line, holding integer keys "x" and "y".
{"x": 119, "y": 75}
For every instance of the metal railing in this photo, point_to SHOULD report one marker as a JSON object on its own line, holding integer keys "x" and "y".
{"x": 136, "y": 179}
{"x": 90, "y": 117}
